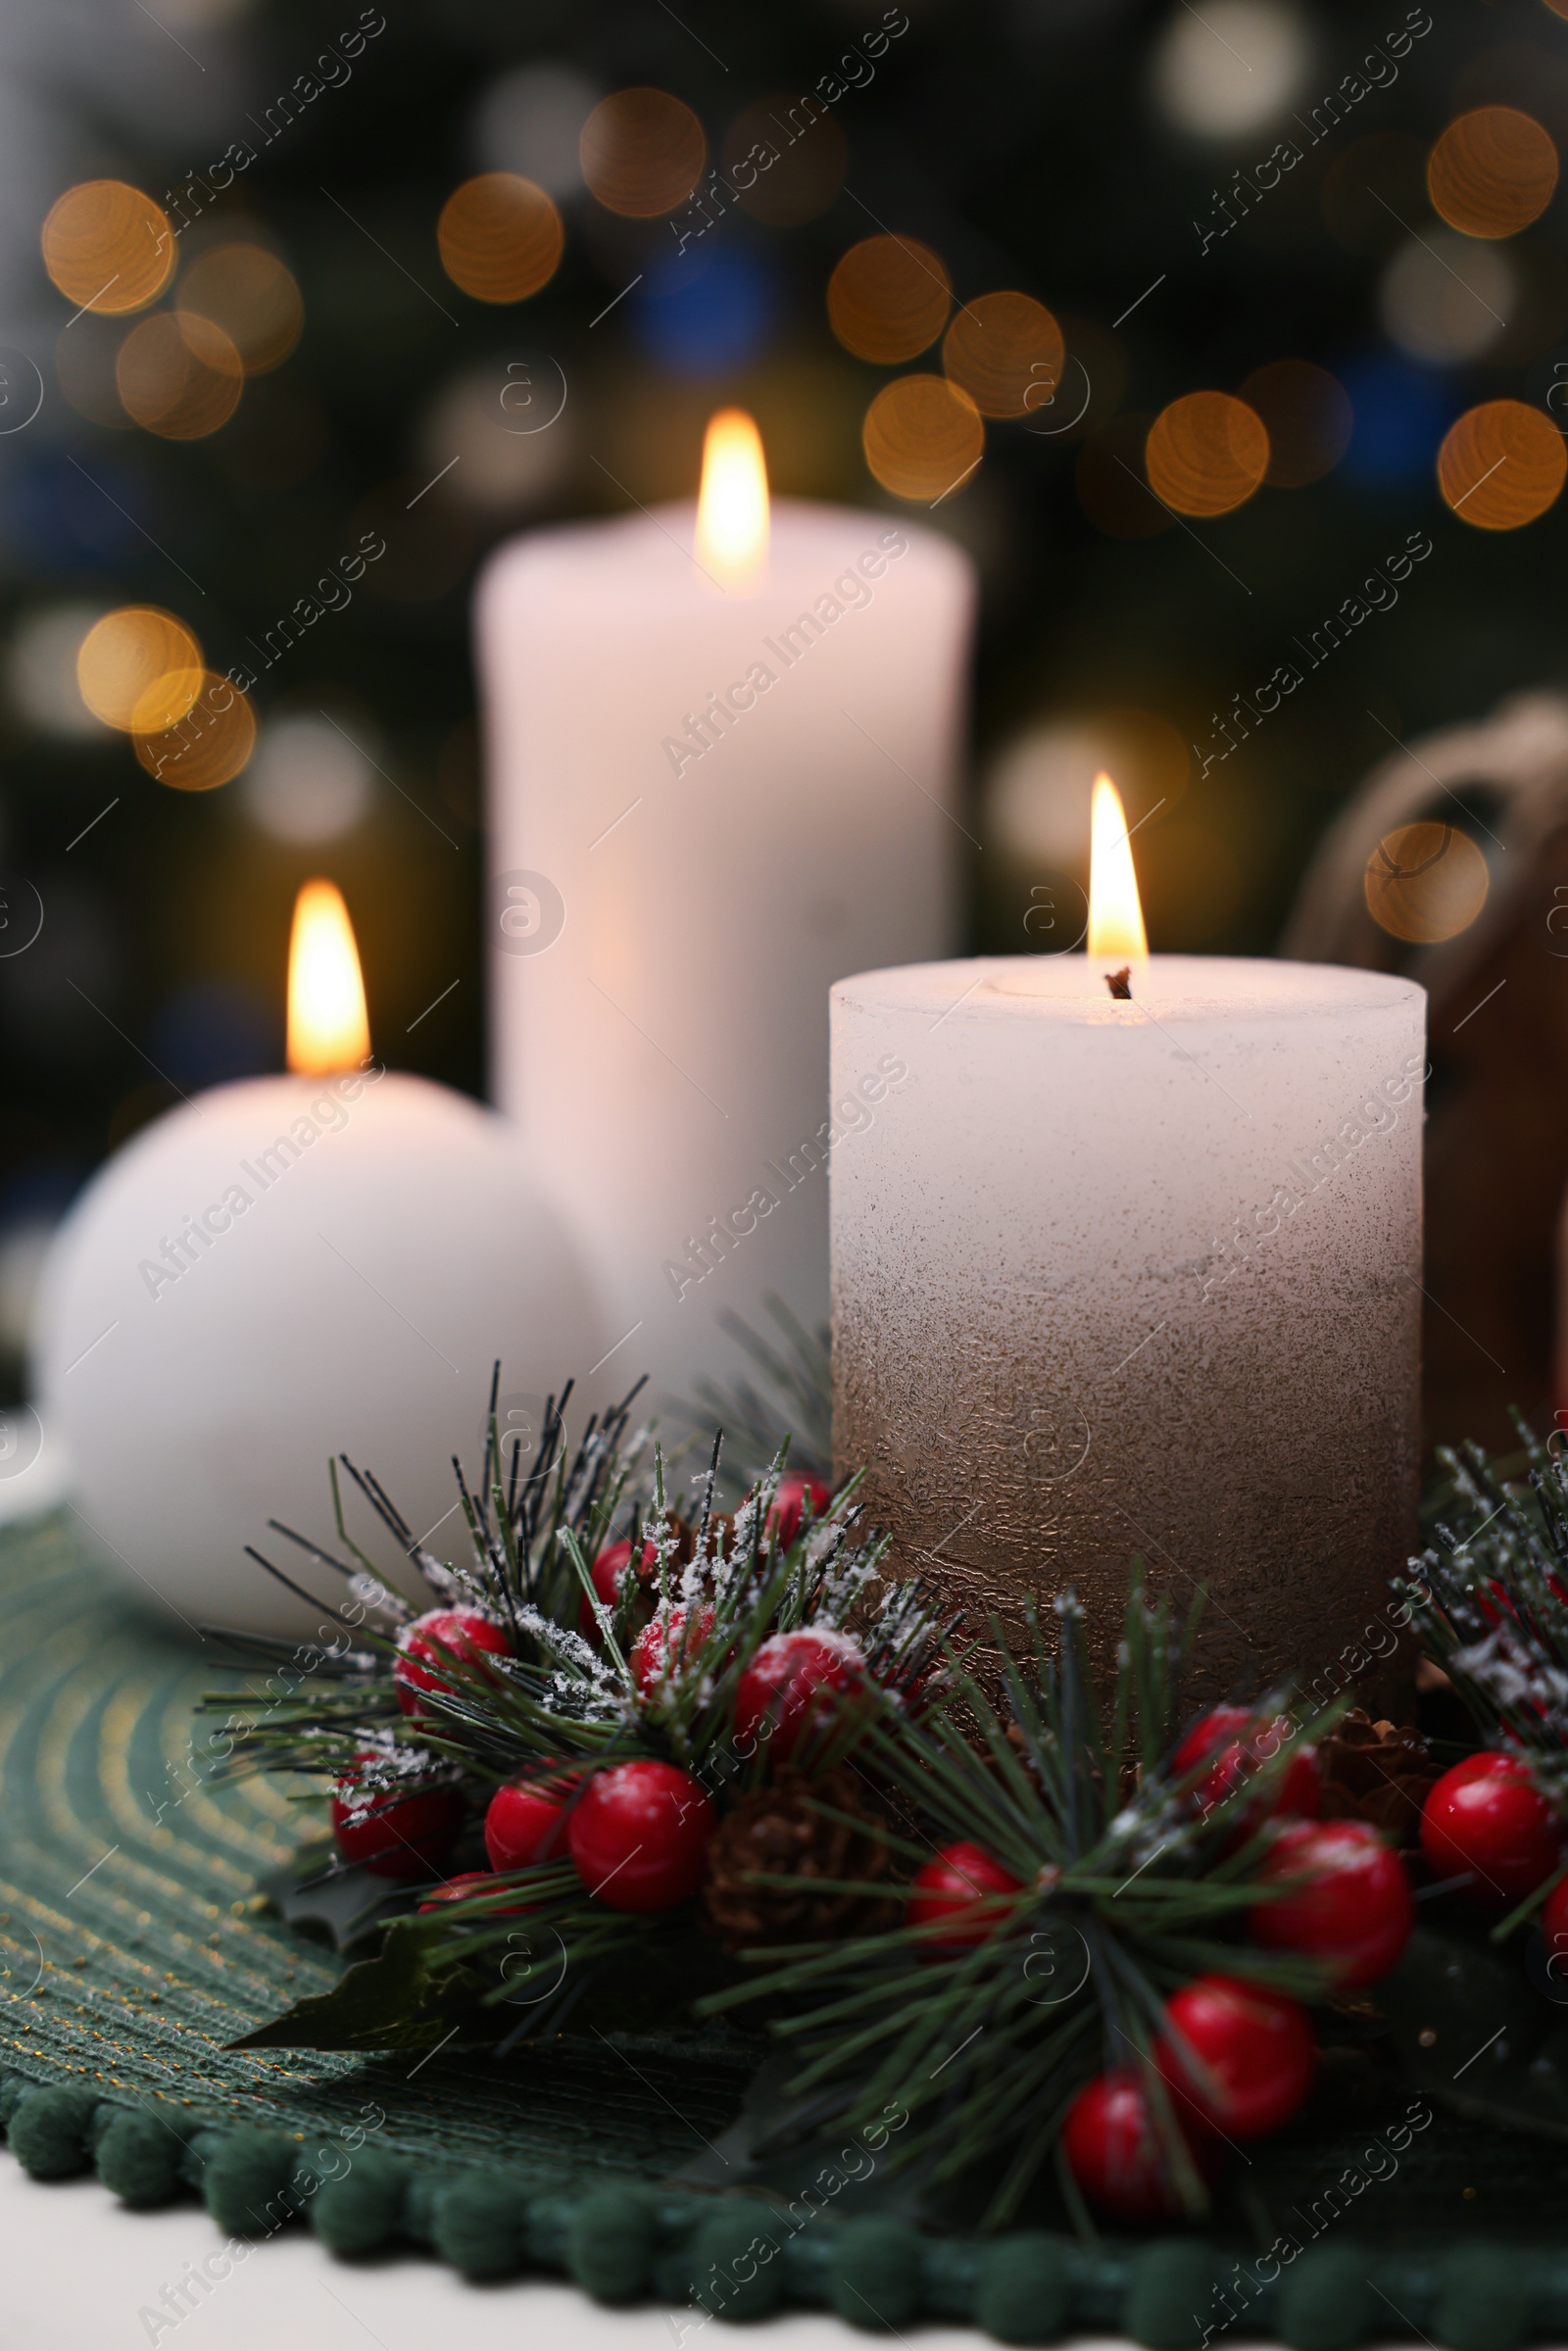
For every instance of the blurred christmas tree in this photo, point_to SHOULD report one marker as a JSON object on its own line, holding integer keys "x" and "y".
{"x": 1331, "y": 219}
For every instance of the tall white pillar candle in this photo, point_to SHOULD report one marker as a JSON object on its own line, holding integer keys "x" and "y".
{"x": 710, "y": 794}
{"x": 1138, "y": 1278}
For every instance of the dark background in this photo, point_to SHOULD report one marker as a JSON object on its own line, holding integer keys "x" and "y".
{"x": 1027, "y": 144}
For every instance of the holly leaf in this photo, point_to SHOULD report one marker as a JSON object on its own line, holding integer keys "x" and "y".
{"x": 397, "y": 2000}
{"x": 339, "y": 1905}
{"x": 1474, "y": 2035}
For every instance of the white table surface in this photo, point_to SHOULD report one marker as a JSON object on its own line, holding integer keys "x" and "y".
{"x": 80, "y": 2269}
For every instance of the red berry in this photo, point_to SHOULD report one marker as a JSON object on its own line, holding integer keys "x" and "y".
{"x": 465, "y": 1885}
{"x": 639, "y": 1835}
{"x": 1354, "y": 1909}
{"x": 526, "y": 1822}
{"x": 1244, "y": 2058}
{"x": 953, "y": 1888}
{"x": 1485, "y": 1819}
{"x": 788, "y": 1506}
{"x": 396, "y": 1836}
{"x": 435, "y": 1639}
{"x": 1239, "y": 1744}
{"x": 662, "y": 1651}
{"x": 605, "y": 1576}
{"x": 791, "y": 1686}
{"x": 1111, "y": 2149}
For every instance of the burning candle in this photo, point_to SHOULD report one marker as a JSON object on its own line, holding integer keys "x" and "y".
{"x": 1130, "y": 1264}
{"x": 290, "y": 1267}
{"x": 723, "y": 748}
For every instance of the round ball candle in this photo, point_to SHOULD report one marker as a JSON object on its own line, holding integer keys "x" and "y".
{"x": 723, "y": 750}
{"x": 286, "y": 1268}
{"x": 1137, "y": 1273}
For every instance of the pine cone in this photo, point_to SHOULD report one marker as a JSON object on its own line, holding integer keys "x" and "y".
{"x": 1378, "y": 1771}
{"x": 775, "y": 1831}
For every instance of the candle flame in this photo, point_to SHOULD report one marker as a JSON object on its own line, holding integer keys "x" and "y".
{"x": 327, "y": 1025}
{"x": 732, "y": 505}
{"x": 1115, "y": 917}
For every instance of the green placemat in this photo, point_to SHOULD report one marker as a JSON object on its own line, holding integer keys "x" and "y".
{"x": 135, "y": 1946}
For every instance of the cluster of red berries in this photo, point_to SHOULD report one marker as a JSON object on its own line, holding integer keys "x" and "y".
{"x": 1237, "y": 2058}
{"x": 637, "y": 1833}
{"x": 1489, "y": 1833}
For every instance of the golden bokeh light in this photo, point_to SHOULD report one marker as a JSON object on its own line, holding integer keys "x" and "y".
{"x": 785, "y": 159}
{"x": 1426, "y": 882}
{"x": 328, "y": 1028}
{"x": 249, "y": 293}
{"x": 1206, "y": 452}
{"x": 108, "y": 247}
{"x": 888, "y": 299}
{"x": 501, "y": 237}
{"x": 140, "y": 669}
{"x": 1308, "y": 415}
{"x": 206, "y": 747}
{"x": 1007, "y": 352}
{"x": 1501, "y": 465}
{"x": 921, "y": 436}
{"x": 642, "y": 153}
{"x": 178, "y": 376}
{"x": 1493, "y": 172}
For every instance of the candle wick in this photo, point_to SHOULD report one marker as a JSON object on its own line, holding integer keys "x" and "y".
{"x": 1121, "y": 983}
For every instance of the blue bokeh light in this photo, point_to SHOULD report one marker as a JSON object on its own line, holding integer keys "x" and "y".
{"x": 705, "y": 315}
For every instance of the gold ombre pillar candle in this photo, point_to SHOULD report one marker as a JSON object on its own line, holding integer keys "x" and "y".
{"x": 1138, "y": 1274}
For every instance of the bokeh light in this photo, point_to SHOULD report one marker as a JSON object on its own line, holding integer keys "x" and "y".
{"x": 792, "y": 155}
{"x": 1230, "y": 67}
{"x": 1308, "y": 415}
{"x": 139, "y": 668}
{"x": 706, "y": 316}
{"x": 253, "y": 296}
{"x": 1206, "y": 452}
{"x": 530, "y": 121}
{"x": 208, "y": 746}
{"x": 178, "y": 376}
{"x": 1007, "y": 352}
{"x": 888, "y": 299}
{"x": 642, "y": 153}
{"x": 921, "y": 436}
{"x": 1401, "y": 414}
{"x": 1501, "y": 465}
{"x": 501, "y": 237}
{"x": 1112, "y": 482}
{"x": 1493, "y": 172}
{"x": 1426, "y": 882}
{"x": 41, "y": 670}
{"x": 1444, "y": 299}
{"x": 1037, "y": 795}
{"x": 108, "y": 247}
{"x": 309, "y": 783}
